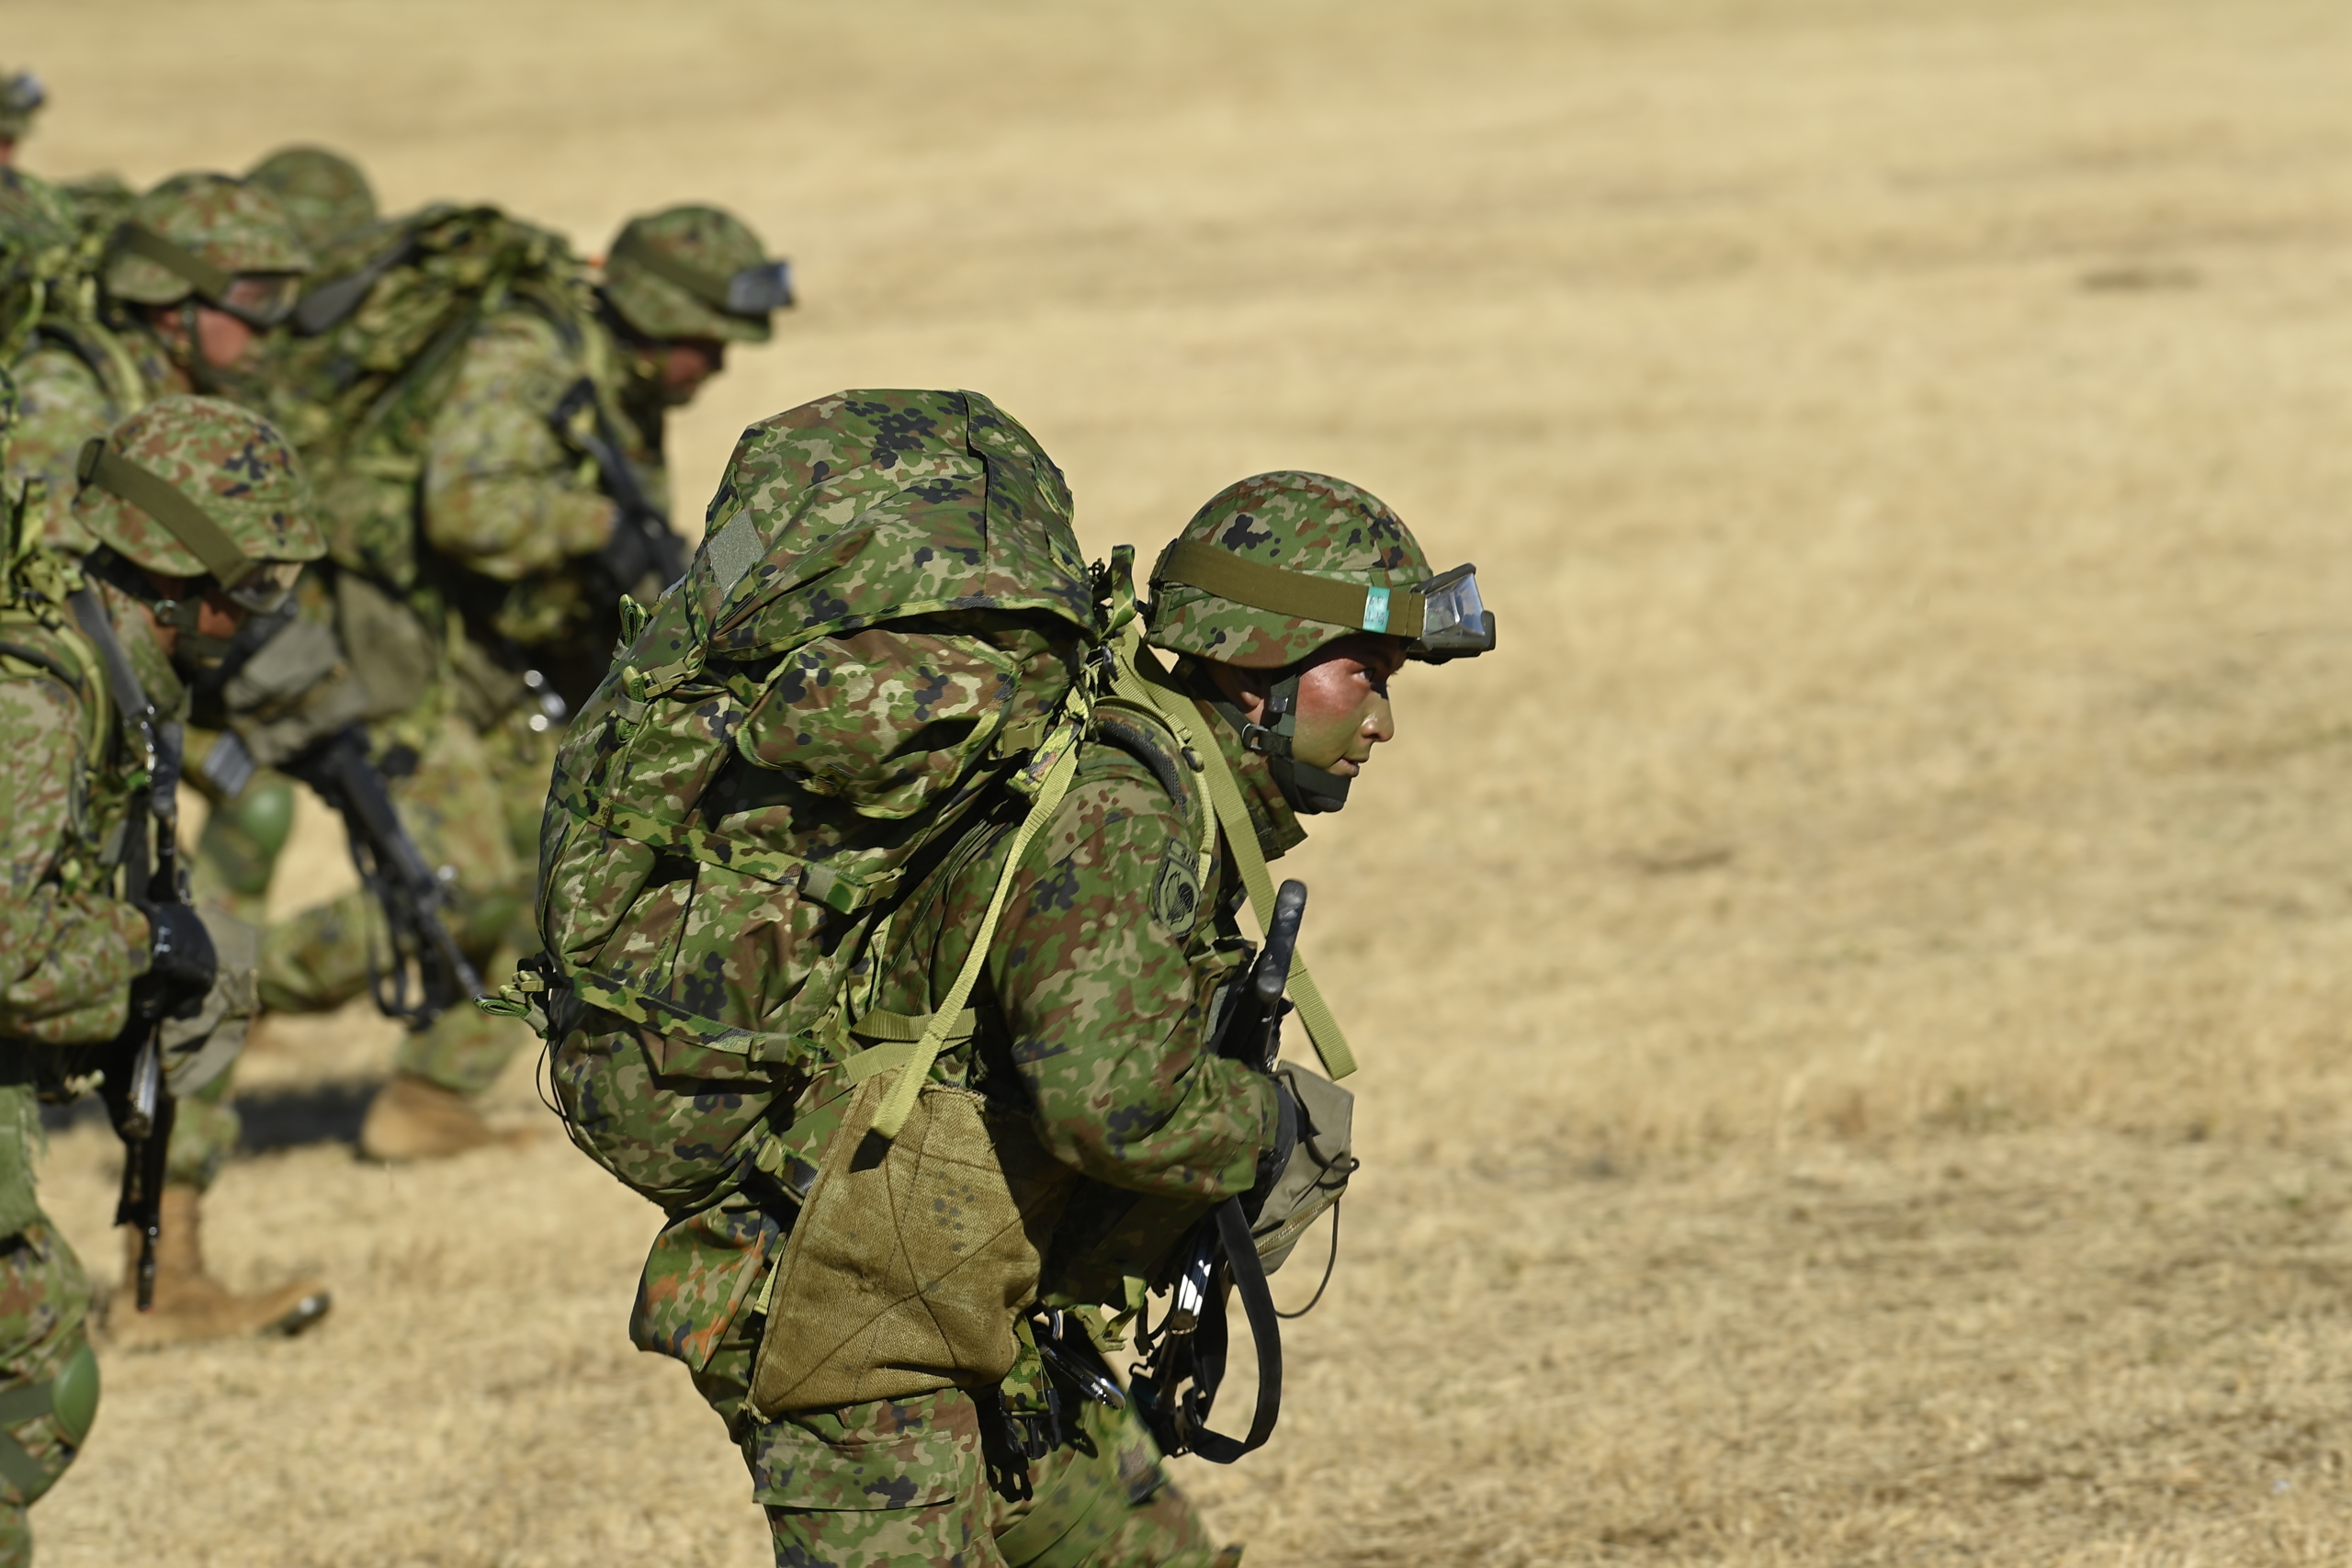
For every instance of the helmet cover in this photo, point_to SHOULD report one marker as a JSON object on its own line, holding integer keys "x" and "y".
{"x": 1303, "y": 523}
{"x": 222, "y": 223}
{"x": 324, "y": 195}
{"x": 695, "y": 271}
{"x": 227, "y": 462}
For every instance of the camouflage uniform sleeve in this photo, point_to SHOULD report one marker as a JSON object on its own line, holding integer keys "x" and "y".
{"x": 1109, "y": 1009}
{"x": 70, "y": 957}
{"x": 60, "y": 405}
{"x": 503, "y": 495}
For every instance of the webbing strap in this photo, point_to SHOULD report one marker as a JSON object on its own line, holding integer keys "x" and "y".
{"x": 159, "y": 499}
{"x": 1139, "y": 678}
{"x": 900, "y": 1104}
{"x": 139, "y": 239}
{"x": 1398, "y": 611}
{"x": 901, "y": 1033}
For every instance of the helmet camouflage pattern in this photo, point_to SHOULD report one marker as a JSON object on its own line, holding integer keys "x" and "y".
{"x": 221, "y": 225}
{"x": 695, "y": 271}
{"x": 324, "y": 194}
{"x": 1301, "y": 524}
{"x": 184, "y": 454}
{"x": 21, "y": 97}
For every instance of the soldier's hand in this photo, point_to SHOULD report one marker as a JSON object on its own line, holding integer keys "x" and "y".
{"x": 181, "y": 958}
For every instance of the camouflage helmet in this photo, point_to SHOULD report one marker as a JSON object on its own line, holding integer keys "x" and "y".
{"x": 194, "y": 486}
{"x": 695, "y": 271}
{"x": 324, "y": 194}
{"x": 1277, "y": 565}
{"x": 197, "y": 234}
{"x": 21, "y": 97}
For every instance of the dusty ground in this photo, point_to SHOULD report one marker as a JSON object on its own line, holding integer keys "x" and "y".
{"x": 1854, "y": 997}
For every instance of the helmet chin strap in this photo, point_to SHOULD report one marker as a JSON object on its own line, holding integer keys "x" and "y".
{"x": 192, "y": 650}
{"x": 1309, "y": 790}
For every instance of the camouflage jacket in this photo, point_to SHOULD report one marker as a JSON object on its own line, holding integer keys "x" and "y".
{"x": 72, "y": 943}
{"x": 511, "y": 503}
{"x": 1098, "y": 1015}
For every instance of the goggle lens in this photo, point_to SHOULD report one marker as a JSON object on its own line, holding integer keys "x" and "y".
{"x": 757, "y": 290}
{"x": 1455, "y": 622}
{"x": 267, "y": 589}
{"x": 261, "y": 299}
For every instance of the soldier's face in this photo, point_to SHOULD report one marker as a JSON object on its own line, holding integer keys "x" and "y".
{"x": 686, "y": 363}
{"x": 1343, "y": 709}
{"x": 222, "y": 338}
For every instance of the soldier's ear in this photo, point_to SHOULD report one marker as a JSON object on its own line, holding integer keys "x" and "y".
{"x": 1245, "y": 689}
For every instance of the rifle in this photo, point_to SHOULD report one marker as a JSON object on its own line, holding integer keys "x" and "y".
{"x": 643, "y": 539}
{"x": 1183, "y": 1365}
{"x": 396, "y": 874}
{"x": 139, "y": 1099}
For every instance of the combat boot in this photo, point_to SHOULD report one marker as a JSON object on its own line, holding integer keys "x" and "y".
{"x": 415, "y": 1118}
{"x": 190, "y": 1304}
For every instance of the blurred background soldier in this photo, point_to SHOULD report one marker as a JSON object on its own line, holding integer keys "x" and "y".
{"x": 200, "y": 518}
{"x": 324, "y": 194}
{"x": 541, "y": 501}
{"x": 200, "y": 271}
{"x": 21, "y": 97}
{"x": 202, "y": 266}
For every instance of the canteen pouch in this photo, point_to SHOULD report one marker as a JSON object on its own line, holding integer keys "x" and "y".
{"x": 1316, "y": 1176}
{"x": 909, "y": 1261}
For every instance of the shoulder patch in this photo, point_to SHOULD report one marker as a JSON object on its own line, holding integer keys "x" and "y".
{"x": 1176, "y": 891}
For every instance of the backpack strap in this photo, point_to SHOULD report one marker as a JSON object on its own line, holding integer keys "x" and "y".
{"x": 1059, "y": 754}
{"x": 1137, "y": 676}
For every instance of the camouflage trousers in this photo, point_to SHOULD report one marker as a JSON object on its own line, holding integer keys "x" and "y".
{"x": 929, "y": 1482}
{"x": 48, "y": 1377}
{"x": 472, "y": 803}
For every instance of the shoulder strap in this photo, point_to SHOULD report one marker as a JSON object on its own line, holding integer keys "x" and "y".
{"x": 1059, "y": 751}
{"x": 1138, "y": 677}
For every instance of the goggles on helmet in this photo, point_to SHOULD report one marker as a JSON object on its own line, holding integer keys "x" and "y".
{"x": 260, "y": 299}
{"x": 259, "y": 586}
{"x": 748, "y": 292}
{"x": 1443, "y": 618}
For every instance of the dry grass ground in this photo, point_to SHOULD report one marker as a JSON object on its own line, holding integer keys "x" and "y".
{"x": 1854, "y": 997}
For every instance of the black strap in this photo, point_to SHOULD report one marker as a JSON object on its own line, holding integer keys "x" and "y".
{"x": 1265, "y": 1332}
{"x": 50, "y": 662}
{"x": 130, "y": 699}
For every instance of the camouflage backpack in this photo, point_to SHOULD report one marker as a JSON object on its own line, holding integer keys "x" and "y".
{"x": 888, "y": 631}
{"x": 374, "y": 345}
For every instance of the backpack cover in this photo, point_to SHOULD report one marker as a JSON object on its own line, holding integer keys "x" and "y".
{"x": 877, "y": 642}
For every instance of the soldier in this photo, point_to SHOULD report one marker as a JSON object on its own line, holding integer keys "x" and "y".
{"x": 202, "y": 518}
{"x": 1099, "y": 945}
{"x": 325, "y": 195}
{"x": 543, "y": 500}
{"x": 201, "y": 268}
{"x": 22, "y": 98}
